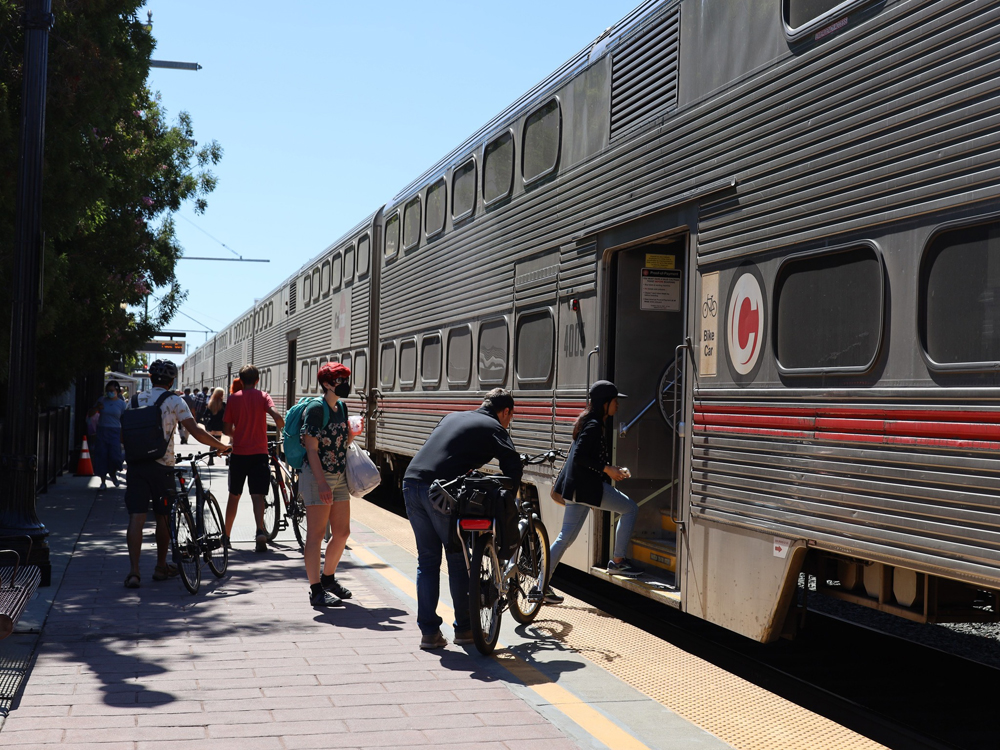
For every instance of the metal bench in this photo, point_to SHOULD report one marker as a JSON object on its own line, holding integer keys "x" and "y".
{"x": 17, "y": 585}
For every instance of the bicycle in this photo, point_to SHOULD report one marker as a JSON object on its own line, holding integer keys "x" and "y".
{"x": 197, "y": 535}
{"x": 495, "y": 582}
{"x": 284, "y": 491}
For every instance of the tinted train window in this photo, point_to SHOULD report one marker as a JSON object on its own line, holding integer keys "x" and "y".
{"x": 324, "y": 278}
{"x": 364, "y": 254}
{"x": 387, "y": 373}
{"x": 346, "y": 361}
{"x": 960, "y": 296}
{"x": 800, "y": 12}
{"x": 304, "y": 377}
{"x": 463, "y": 190}
{"x": 498, "y": 168}
{"x": 430, "y": 360}
{"x": 360, "y": 370}
{"x": 535, "y": 345}
{"x": 459, "y": 356}
{"x": 493, "y": 352}
{"x": 316, "y": 285}
{"x": 540, "y": 151}
{"x": 336, "y": 271}
{"x": 829, "y": 311}
{"x": 411, "y": 224}
{"x": 392, "y": 235}
{"x": 437, "y": 204}
{"x": 348, "y": 263}
{"x": 407, "y": 363}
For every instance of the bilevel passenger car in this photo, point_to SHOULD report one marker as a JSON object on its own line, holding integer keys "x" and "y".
{"x": 776, "y": 226}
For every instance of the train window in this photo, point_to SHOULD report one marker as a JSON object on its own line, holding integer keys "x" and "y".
{"x": 463, "y": 190}
{"x": 498, "y": 168}
{"x": 437, "y": 204}
{"x": 364, "y": 254}
{"x": 324, "y": 278}
{"x": 815, "y": 14}
{"x": 430, "y": 360}
{"x": 828, "y": 311}
{"x": 306, "y": 293}
{"x": 959, "y": 303}
{"x": 313, "y": 371}
{"x": 392, "y": 235}
{"x": 407, "y": 363}
{"x": 336, "y": 271}
{"x": 304, "y": 377}
{"x": 540, "y": 149}
{"x": 411, "y": 223}
{"x": 535, "y": 343}
{"x": 459, "y": 355}
{"x": 345, "y": 360}
{"x": 348, "y": 263}
{"x": 493, "y": 352}
{"x": 387, "y": 371}
{"x": 316, "y": 285}
{"x": 360, "y": 370}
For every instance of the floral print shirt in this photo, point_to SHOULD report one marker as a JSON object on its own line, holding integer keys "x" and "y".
{"x": 332, "y": 438}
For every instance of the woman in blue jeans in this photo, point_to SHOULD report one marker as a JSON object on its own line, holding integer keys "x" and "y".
{"x": 585, "y": 483}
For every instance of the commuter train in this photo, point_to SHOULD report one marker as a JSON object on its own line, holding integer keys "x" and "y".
{"x": 776, "y": 226}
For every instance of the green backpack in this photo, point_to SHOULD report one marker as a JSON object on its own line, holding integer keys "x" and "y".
{"x": 295, "y": 451}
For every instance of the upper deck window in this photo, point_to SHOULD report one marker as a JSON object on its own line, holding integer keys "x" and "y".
{"x": 364, "y": 254}
{"x": 348, "y": 263}
{"x": 336, "y": 271}
{"x": 540, "y": 151}
{"x": 463, "y": 190}
{"x": 828, "y": 311}
{"x": 411, "y": 223}
{"x": 959, "y": 305}
{"x": 437, "y": 204}
{"x": 392, "y": 235}
{"x": 805, "y": 16}
{"x": 498, "y": 168}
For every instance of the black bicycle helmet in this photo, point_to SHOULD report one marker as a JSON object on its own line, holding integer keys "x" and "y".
{"x": 162, "y": 370}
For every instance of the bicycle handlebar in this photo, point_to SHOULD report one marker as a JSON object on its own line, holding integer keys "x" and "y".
{"x": 540, "y": 458}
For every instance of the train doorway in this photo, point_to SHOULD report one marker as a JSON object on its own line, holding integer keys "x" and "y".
{"x": 646, "y": 324}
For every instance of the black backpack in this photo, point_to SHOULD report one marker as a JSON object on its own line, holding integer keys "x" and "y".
{"x": 142, "y": 430}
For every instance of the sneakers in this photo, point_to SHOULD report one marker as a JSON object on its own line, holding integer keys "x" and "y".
{"x": 324, "y": 598}
{"x": 551, "y": 597}
{"x": 261, "y": 541}
{"x": 624, "y": 568}
{"x": 433, "y": 641}
{"x": 335, "y": 587}
{"x": 114, "y": 481}
{"x": 463, "y": 638}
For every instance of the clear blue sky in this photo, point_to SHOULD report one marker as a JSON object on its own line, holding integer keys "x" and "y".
{"x": 326, "y": 110}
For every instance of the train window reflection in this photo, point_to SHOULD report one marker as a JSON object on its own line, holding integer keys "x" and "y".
{"x": 463, "y": 190}
{"x": 364, "y": 254}
{"x": 348, "y": 263}
{"x": 829, "y": 311}
{"x": 798, "y": 13}
{"x": 960, "y": 296}
{"x": 540, "y": 151}
{"x": 535, "y": 345}
{"x": 498, "y": 168}
{"x": 387, "y": 373}
{"x": 360, "y": 371}
{"x": 459, "y": 356}
{"x": 336, "y": 271}
{"x": 430, "y": 360}
{"x": 436, "y": 206}
{"x": 493, "y": 352}
{"x": 411, "y": 224}
{"x": 407, "y": 363}
{"x": 392, "y": 235}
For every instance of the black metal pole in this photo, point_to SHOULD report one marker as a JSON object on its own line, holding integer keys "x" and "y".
{"x": 20, "y": 436}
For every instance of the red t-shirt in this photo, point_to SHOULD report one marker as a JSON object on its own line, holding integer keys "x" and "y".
{"x": 247, "y": 412}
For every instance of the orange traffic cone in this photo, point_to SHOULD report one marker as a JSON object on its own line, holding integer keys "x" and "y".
{"x": 83, "y": 467}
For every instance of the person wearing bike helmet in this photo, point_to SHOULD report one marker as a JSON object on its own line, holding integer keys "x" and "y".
{"x": 461, "y": 442}
{"x": 150, "y": 483}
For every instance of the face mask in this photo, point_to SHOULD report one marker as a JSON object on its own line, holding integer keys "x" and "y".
{"x": 111, "y": 394}
{"x": 343, "y": 390}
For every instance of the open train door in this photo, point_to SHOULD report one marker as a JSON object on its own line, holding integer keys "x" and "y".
{"x": 646, "y": 294}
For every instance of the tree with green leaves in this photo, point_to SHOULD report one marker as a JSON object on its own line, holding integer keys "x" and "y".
{"x": 115, "y": 172}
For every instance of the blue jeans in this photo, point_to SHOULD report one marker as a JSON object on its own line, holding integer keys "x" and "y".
{"x": 107, "y": 451}
{"x": 431, "y": 529}
{"x": 576, "y": 516}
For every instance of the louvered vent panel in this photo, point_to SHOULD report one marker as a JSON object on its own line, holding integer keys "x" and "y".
{"x": 293, "y": 291}
{"x": 644, "y": 74}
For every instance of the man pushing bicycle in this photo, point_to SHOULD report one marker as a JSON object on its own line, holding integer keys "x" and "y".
{"x": 462, "y": 442}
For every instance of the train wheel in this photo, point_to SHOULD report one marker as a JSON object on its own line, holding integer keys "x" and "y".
{"x": 485, "y": 607}
{"x": 532, "y": 572}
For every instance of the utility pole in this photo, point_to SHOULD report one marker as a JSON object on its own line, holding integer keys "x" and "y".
{"x": 18, "y": 460}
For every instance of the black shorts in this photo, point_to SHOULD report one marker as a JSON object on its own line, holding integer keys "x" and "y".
{"x": 255, "y": 469}
{"x": 149, "y": 484}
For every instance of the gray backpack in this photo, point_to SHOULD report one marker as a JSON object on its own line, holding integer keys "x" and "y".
{"x": 142, "y": 430}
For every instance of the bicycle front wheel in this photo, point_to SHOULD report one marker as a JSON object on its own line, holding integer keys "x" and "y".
{"x": 216, "y": 552}
{"x": 485, "y": 602}
{"x": 297, "y": 513}
{"x": 272, "y": 510}
{"x": 528, "y": 584}
{"x": 185, "y": 543}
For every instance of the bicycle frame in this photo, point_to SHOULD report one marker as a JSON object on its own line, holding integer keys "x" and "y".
{"x": 469, "y": 533}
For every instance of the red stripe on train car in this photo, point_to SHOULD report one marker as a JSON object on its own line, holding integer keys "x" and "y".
{"x": 913, "y": 415}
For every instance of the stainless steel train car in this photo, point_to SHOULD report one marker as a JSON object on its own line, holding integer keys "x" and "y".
{"x": 776, "y": 226}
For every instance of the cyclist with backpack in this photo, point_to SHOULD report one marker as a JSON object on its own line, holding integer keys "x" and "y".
{"x": 316, "y": 437}
{"x": 148, "y": 435}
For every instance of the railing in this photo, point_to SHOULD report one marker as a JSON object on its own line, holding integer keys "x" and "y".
{"x": 53, "y": 445}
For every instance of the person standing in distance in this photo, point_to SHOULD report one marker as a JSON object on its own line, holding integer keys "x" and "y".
{"x": 245, "y": 422}
{"x": 461, "y": 442}
{"x": 150, "y": 483}
{"x": 323, "y": 484}
{"x": 107, "y": 442}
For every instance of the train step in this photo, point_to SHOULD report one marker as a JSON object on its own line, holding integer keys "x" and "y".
{"x": 666, "y": 522}
{"x": 658, "y": 553}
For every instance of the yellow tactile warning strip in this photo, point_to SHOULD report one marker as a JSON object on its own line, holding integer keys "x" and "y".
{"x": 734, "y": 710}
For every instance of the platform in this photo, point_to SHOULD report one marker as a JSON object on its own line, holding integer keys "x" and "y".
{"x": 246, "y": 663}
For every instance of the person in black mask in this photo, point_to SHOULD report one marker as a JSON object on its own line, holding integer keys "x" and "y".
{"x": 323, "y": 483}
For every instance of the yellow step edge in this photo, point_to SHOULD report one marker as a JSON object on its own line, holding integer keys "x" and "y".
{"x": 655, "y": 552}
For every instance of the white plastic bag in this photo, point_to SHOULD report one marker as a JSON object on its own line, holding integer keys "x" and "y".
{"x": 362, "y": 473}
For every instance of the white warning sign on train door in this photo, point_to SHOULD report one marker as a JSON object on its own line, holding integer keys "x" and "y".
{"x": 660, "y": 290}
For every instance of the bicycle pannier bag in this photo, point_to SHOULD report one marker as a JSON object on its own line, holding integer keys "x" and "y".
{"x": 291, "y": 438}
{"x": 362, "y": 473}
{"x": 142, "y": 430}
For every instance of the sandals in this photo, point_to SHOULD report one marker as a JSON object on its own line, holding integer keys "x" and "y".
{"x": 163, "y": 572}
{"x": 132, "y": 581}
